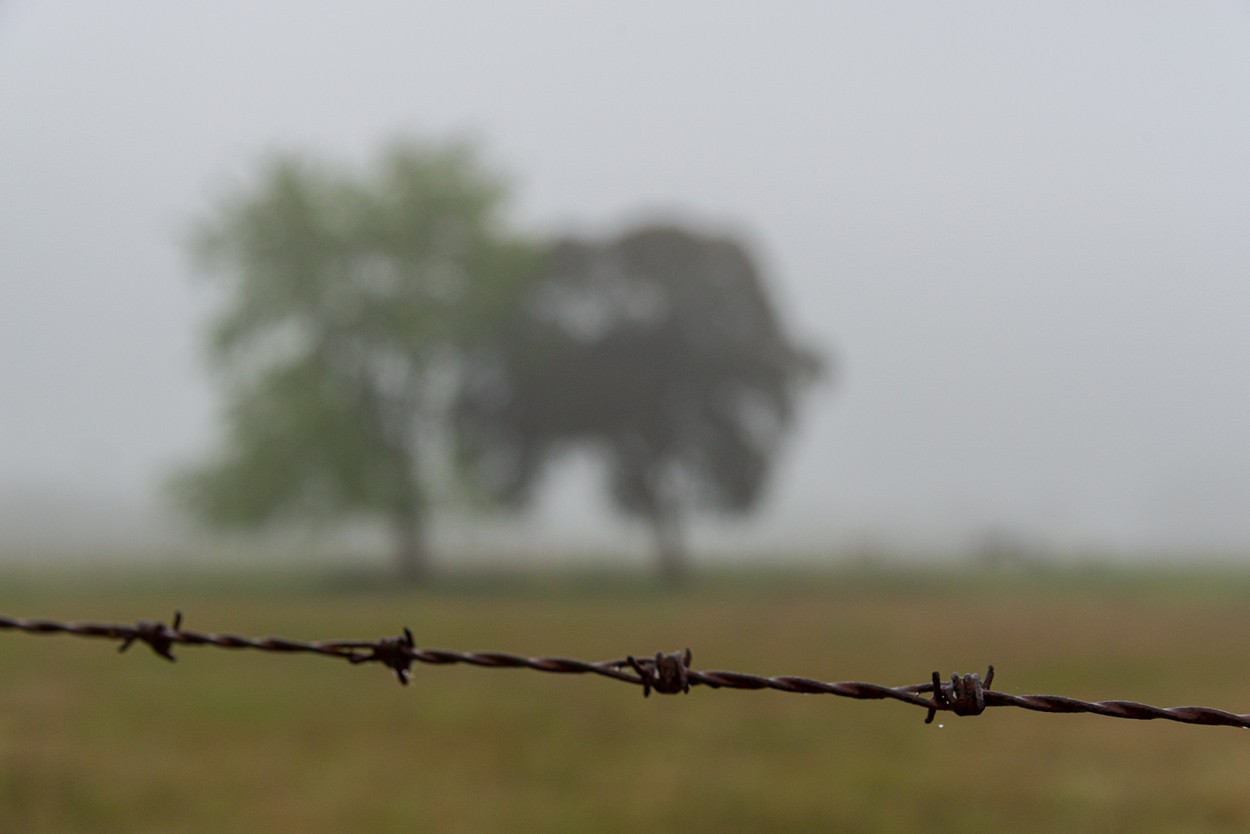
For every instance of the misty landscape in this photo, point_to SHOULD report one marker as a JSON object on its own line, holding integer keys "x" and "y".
{"x": 1030, "y": 280}
{"x": 805, "y": 326}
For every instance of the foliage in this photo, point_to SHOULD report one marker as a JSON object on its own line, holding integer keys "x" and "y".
{"x": 350, "y": 299}
{"x": 662, "y": 351}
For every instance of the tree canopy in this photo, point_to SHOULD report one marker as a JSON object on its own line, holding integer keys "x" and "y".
{"x": 373, "y": 320}
{"x": 662, "y": 351}
{"x": 350, "y": 298}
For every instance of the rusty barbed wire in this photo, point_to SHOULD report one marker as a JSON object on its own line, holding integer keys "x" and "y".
{"x": 666, "y": 673}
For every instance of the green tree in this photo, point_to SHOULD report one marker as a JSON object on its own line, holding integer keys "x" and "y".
{"x": 663, "y": 351}
{"x": 350, "y": 300}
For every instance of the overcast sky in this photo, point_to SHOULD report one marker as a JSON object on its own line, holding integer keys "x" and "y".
{"x": 1022, "y": 229}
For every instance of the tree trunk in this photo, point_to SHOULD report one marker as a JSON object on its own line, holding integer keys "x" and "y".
{"x": 412, "y": 550}
{"x": 670, "y": 545}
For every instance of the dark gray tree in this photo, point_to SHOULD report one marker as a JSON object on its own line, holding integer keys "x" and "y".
{"x": 350, "y": 298}
{"x": 662, "y": 351}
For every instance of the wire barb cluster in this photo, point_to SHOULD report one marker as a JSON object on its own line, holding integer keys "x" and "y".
{"x": 665, "y": 673}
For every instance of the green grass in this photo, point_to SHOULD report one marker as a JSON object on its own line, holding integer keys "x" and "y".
{"x": 223, "y": 741}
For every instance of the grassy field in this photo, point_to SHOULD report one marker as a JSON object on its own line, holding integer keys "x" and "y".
{"x": 222, "y": 741}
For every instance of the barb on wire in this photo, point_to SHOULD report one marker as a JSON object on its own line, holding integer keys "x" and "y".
{"x": 395, "y": 652}
{"x": 158, "y": 636}
{"x": 667, "y": 674}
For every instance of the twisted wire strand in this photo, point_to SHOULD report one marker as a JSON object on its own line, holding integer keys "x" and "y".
{"x": 858, "y": 690}
{"x": 665, "y": 673}
{"x": 1208, "y": 716}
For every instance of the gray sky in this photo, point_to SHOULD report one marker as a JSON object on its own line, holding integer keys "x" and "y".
{"x": 1022, "y": 228}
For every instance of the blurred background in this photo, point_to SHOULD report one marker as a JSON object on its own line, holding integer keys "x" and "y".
{"x": 1016, "y": 236}
{"x": 691, "y": 286}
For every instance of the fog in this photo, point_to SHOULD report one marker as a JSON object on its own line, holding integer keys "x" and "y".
{"x": 1019, "y": 231}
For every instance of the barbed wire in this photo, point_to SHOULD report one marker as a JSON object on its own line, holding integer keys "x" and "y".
{"x": 666, "y": 673}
